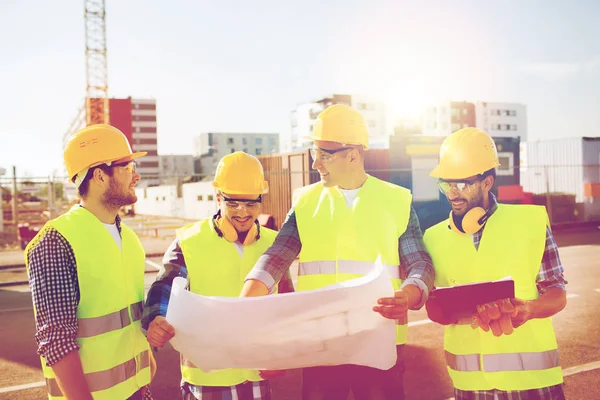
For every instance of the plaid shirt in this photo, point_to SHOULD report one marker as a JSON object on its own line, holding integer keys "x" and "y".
{"x": 157, "y": 303}
{"x": 416, "y": 267}
{"x": 54, "y": 286}
{"x": 260, "y": 390}
{"x": 551, "y": 275}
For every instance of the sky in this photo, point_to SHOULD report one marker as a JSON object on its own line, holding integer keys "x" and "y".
{"x": 240, "y": 66}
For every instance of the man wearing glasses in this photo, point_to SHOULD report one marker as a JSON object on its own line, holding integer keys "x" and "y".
{"x": 508, "y": 350}
{"x": 86, "y": 274}
{"x": 339, "y": 227}
{"x": 215, "y": 255}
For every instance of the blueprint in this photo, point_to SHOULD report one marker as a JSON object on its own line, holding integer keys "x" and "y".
{"x": 329, "y": 326}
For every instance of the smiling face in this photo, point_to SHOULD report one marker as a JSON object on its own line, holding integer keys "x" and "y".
{"x": 240, "y": 209}
{"x": 333, "y": 161}
{"x": 466, "y": 194}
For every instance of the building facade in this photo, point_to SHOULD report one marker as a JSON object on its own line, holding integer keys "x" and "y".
{"x": 210, "y": 147}
{"x": 443, "y": 118}
{"x": 502, "y": 119}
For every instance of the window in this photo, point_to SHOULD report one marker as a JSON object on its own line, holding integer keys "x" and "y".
{"x": 244, "y": 140}
{"x": 232, "y": 150}
{"x": 258, "y": 151}
{"x": 272, "y": 141}
{"x": 245, "y": 150}
{"x": 164, "y": 198}
{"x": 258, "y": 141}
{"x": 199, "y": 197}
{"x": 230, "y": 140}
{"x": 454, "y": 112}
{"x": 361, "y": 106}
{"x": 514, "y": 127}
{"x": 507, "y": 127}
{"x": 210, "y": 197}
{"x": 465, "y": 111}
{"x": 506, "y": 167}
{"x": 513, "y": 113}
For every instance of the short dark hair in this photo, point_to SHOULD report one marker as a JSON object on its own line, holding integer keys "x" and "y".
{"x": 84, "y": 188}
{"x": 489, "y": 172}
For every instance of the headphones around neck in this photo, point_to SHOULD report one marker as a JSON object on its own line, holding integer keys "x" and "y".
{"x": 225, "y": 229}
{"x": 471, "y": 223}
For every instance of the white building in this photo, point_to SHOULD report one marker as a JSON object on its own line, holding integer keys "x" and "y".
{"x": 215, "y": 145}
{"x": 443, "y": 118}
{"x": 496, "y": 119}
{"x": 303, "y": 119}
{"x": 172, "y": 165}
{"x": 190, "y": 201}
{"x": 502, "y": 119}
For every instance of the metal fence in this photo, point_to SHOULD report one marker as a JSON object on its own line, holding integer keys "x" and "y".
{"x": 571, "y": 193}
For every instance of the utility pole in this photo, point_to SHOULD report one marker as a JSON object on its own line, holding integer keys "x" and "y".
{"x": 14, "y": 199}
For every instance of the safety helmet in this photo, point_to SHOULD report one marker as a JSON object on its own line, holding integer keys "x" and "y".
{"x": 466, "y": 152}
{"x": 240, "y": 173}
{"x": 95, "y": 145}
{"x": 341, "y": 124}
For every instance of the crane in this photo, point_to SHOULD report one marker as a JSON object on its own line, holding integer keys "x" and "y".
{"x": 96, "y": 101}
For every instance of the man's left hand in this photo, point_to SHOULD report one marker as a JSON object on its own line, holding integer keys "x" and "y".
{"x": 271, "y": 374}
{"x": 393, "y": 307}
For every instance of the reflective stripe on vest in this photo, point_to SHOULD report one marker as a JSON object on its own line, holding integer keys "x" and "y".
{"x": 88, "y": 327}
{"x": 503, "y": 362}
{"x": 102, "y": 380}
{"x": 343, "y": 267}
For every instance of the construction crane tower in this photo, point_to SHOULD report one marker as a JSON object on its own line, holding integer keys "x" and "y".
{"x": 96, "y": 101}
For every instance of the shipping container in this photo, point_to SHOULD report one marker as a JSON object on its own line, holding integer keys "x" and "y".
{"x": 561, "y": 165}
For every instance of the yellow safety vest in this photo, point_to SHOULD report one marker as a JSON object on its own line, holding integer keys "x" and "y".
{"x": 339, "y": 244}
{"x": 512, "y": 245}
{"x": 215, "y": 268}
{"x": 114, "y": 352}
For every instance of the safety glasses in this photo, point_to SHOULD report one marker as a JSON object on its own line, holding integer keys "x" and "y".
{"x": 458, "y": 186}
{"x": 237, "y": 204}
{"x": 325, "y": 155}
{"x": 129, "y": 165}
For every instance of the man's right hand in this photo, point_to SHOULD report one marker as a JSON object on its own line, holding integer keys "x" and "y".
{"x": 160, "y": 332}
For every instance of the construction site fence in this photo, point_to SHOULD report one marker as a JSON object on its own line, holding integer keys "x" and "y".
{"x": 571, "y": 193}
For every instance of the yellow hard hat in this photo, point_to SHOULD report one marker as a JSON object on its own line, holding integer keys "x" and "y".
{"x": 465, "y": 153}
{"x": 341, "y": 124}
{"x": 95, "y": 145}
{"x": 240, "y": 173}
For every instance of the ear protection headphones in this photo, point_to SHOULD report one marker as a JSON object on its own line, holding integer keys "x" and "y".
{"x": 225, "y": 229}
{"x": 471, "y": 223}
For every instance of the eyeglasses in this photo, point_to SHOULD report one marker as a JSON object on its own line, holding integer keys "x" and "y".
{"x": 237, "y": 204}
{"x": 459, "y": 186}
{"x": 130, "y": 165}
{"x": 325, "y": 155}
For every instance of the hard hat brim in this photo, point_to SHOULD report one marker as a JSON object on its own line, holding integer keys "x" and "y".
{"x": 313, "y": 138}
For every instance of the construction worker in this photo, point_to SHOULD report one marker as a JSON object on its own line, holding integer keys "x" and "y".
{"x": 214, "y": 255}
{"x": 512, "y": 355}
{"x": 339, "y": 227}
{"x": 86, "y": 274}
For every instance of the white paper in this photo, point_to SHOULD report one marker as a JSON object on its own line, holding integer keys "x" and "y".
{"x": 329, "y": 326}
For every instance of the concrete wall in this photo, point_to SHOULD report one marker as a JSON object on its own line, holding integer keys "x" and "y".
{"x": 190, "y": 201}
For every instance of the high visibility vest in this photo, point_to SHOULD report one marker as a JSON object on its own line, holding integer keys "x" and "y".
{"x": 114, "y": 353}
{"x": 215, "y": 268}
{"x": 512, "y": 244}
{"x": 339, "y": 244}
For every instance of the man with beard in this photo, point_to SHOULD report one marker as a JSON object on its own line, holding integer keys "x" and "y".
{"x": 339, "y": 227}
{"x": 214, "y": 255}
{"x": 86, "y": 274}
{"x": 508, "y": 350}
